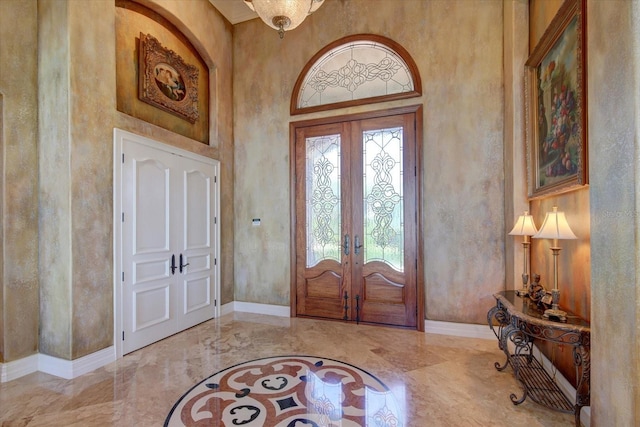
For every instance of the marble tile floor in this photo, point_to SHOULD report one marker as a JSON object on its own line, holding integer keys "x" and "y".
{"x": 444, "y": 380}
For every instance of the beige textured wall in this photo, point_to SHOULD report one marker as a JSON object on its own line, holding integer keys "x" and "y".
{"x": 458, "y": 49}
{"x": 516, "y": 52}
{"x": 75, "y": 114}
{"x": 542, "y": 12}
{"x": 19, "y": 177}
{"x": 614, "y": 129}
{"x": 54, "y": 191}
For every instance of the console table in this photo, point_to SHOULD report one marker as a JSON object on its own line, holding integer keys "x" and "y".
{"x": 519, "y": 321}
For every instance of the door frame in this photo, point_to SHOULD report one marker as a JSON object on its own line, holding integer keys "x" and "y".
{"x": 293, "y": 127}
{"x": 118, "y": 151}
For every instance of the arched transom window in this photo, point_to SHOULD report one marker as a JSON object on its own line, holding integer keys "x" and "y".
{"x": 355, "y": 70}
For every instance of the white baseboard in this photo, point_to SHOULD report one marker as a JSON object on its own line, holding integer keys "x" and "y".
{"x": 62, "y": 368}
{"x": 269, "y": 309}
{"x": 226, "y": 308}
{"x": 18, "y": 368}
{"x": 466, "y": 330}
{"x": 70, "y": 369}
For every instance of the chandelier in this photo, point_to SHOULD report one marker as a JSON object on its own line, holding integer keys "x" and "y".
{"x": 283, "y": 15}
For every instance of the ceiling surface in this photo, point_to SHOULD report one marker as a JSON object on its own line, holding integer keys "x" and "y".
{"x": 234, "y": 10}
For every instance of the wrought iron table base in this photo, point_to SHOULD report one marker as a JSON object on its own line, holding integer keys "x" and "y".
{"x": 521, "y": 327}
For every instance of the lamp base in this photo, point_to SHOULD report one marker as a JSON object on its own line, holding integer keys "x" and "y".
{"x": 554, "y": 313}
{"x": 524, "y": 291}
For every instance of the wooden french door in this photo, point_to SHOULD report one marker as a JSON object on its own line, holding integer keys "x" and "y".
{"x": 356, "y": 221}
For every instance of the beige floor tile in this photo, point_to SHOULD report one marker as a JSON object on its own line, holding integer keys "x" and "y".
{"x": 442, "y": 380}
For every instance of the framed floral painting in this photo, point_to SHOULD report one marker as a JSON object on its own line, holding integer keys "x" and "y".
{"x": 556, "y": 119}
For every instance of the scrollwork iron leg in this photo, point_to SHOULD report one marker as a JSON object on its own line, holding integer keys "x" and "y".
{"x": 498, "y": 314}
{"x": 504, "y": 336}
{"x": 582, "y": 362}
{"x": 500, "y": 367}
{"x": 515, "y": 400}
{"x": 523, "y": 353}
{"x": 490, "y": 317}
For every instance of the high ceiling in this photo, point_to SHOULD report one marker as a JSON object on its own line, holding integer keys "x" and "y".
{"x": 234, "y": 10}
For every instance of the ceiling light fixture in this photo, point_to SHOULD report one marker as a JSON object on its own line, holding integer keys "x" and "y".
{"x": 283, "y": 15}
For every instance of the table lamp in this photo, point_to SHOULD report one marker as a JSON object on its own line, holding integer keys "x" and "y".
{"x": 524, "y": 227}
{"x": 556, "y": 227}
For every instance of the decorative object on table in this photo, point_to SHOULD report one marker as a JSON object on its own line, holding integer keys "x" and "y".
{"x": 546, "y": 300}
{"x": 556, "y": 113}
{"x": 556, "y": 227}
{"x": 166, "y": 81}
{"x": 283, "y": 15}
{"x": 288, "y": 391}
{"x": 524, "y": 227}
{"x": 536, "y": 291}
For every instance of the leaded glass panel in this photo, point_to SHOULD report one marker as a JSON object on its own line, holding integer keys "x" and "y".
{"x": 383, "y": 197}
{"x": 323, "y": 199}
{"x": 355, "y": 70}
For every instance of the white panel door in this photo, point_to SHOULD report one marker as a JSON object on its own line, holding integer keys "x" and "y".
{"x": 149, "y": 289}
{"x": 196, "y": 257}
{"x": 168, "y": 241}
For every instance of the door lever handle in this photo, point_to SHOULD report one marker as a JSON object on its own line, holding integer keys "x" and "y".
{"x": 181, "y": 264}
{"x": 356, "y": 245}
{"x": 173, "y": 264}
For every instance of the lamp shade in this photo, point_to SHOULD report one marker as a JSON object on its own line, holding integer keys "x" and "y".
{"x": 283, "y": 15}
{"x": 524, "y": 226}
{"x": 555, "y": 226}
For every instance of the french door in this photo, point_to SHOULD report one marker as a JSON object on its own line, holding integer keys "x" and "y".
{"x": 356, "y": 220}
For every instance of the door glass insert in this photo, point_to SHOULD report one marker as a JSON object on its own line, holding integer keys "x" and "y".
{"x": 323, "y": 225}
{"x": 383, "y": 196}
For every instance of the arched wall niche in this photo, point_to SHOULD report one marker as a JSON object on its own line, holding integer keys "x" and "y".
{"x": 181, "y": 28}
{"x": 356, "y": 70}
{"x": 134, "y": 19}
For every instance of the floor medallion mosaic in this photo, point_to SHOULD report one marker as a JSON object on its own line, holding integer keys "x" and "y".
{"x": 288, "y": 391}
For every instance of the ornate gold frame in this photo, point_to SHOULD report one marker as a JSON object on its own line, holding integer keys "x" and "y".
{"x": 166, "y": 81}
{"x": 556, "y": 105}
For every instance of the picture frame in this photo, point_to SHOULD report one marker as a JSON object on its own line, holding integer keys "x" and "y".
{"x": 556, "y": 105}
{"x": 166, "y": 81}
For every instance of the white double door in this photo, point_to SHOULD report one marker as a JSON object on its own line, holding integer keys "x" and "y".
{"x": 168, "y": 239}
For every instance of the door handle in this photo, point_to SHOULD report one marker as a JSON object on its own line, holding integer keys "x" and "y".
{"x": 173, "y": 264}
{"x": 346, "y": 306}
{"x": 346, "y": 244}
{"x": 357, "y": 245}
{"x": 181, "y": 264}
